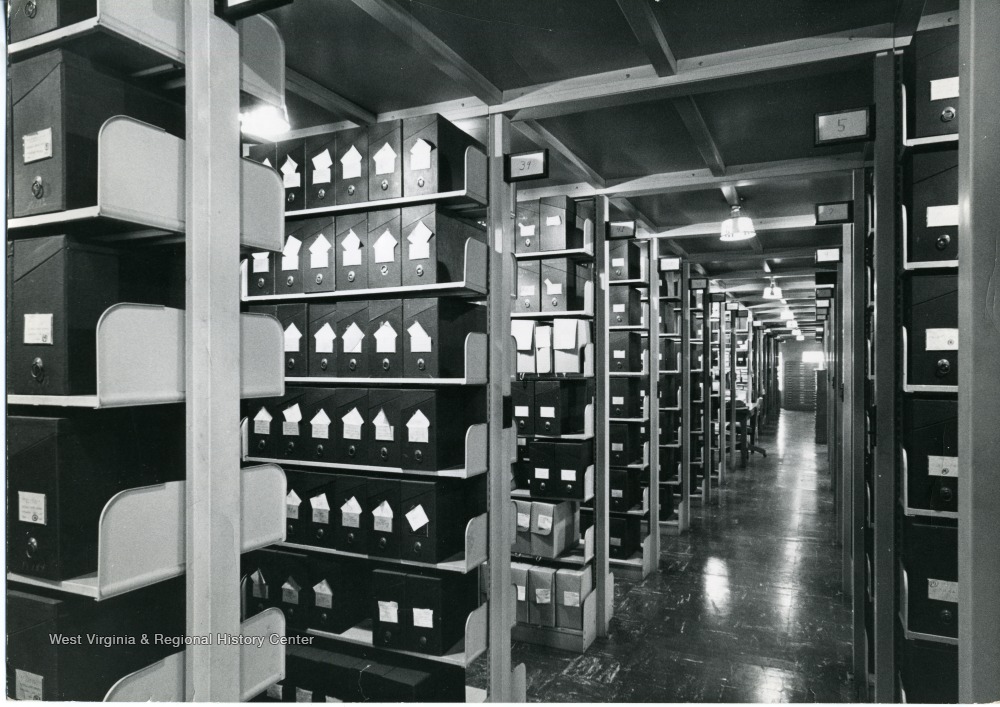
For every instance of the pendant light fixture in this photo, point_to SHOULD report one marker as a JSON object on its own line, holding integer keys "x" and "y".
{"x": 790, "y": 323}
{"x": 787, "y": 314}
{"x": 772, "y": 291}
{"x": 737, "y": 228}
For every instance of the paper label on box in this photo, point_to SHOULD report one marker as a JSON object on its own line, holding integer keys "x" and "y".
{"x": 303, "y": 695}
{"x": 290, "y": 254}
{"x": 617, "y": 400}
{"x": 521, "y": 411}
{"x": 541, "y": 473}
{"x": 545, "y": 522}
{"x": 543, "y": 596}
{"x": 417, "y": 518}
{"x": 942, "y": 590}
{"x": 324, "y": 595}
{"x": 527, "y": 230}
{"x": 618, "y": 262}
{"x": 321, "y": 167}
{"x": 567, "y": 474}
{"x": 385, "y": 339}
{"x": 351, "y": 513}
{"x": 420, "y": 340}
{"x": 290, "y": 429}
{"x": 946, "y": 215}
{"x": 419, "y": 240}
{"x": 324, "y": 338}
{"x": 543, "y": 337}
{"x": 292, "y": 338}
{"x": 553, "y": 220}
{"x": 617, "y": 447}
{"x": 616, "y": 542}
{"x": 553, "y": 288}
{"x": 616, "y": 493}
{"x": 290, "y": 173}
{"x": 942, "y": 466}
{"x": 290, "y": 592}
{"x": 275, "y": 692}
{"x": 524, "y": 521}
{"x": 547, "y": 412}
{"x": 522, "y": 592}
{"x": 383, "y": 517}
{"x": 385, "y": 248}
{"x": 38, "y": 329}
{"x": 31, "y": 507}
{"x": 388, "y": 612}
{"x": 352, "y": 424}
{"x": 320, "y": 425}
{"x": 292, "y": 503}
{"x": 262, "y": 422}
{"x": 333, "y": 699}
{"x": 619, "y": 353}
{"x": 384, "y": 432}
{"x": 942, "y": 89}
{"x": 293, "y": 416}
{"x": 38, "y": 146}
{"x": 418, "y": 428}
{"x": 259, "y": 589}
{"x": 571, "y": 598}
{"x": 423, "y": 618}
{"x": 618, "y": 308}
{"x": 351, "y": 163}
{"x": 527, "y": 290}
{"x": 385, "y": 160}
{"x": 420, "y": 155}
{"x": 320, "y": 509}
{"x": 942, "y": 340}
{"x": 319, "y": 252}
{"x": 261, "y": 262}
{"x": 351, "y": 246}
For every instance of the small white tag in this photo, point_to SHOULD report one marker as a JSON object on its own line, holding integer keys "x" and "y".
{"x": 292, "y": 338}
{"x": 618, "y": 262}
{"x": 322, "y": 163}
{"x": 259, "y": 589}
{"x": 319, "y": 252}
{"x": 618, "y": 308}
{"x": 541, "y": 473}
{"x": 423, "y": 618}
{"x": 292, "y": 503}
{"x": 385, "y": 160}
{"x": 942, "y": 466}
{"x": 419, "y": 240}
{"x": 351, "y": 163}
{"x": 617, "y": 493}
{"x": 545, "y": 522}
{"x": 938, "y": 216}
{"x": 617, "y": 400}
{"x": 617, "y": 447}
{"x": 942, "y": 590}
{"x": 38, "y": 329}
{"x": 522, "y": 592}
{"x": 31, "y": 507}
{"x": 388, "y": 612}
{"x": 353, "y": 339}
{"x": 616, "y": 542}
{"x": 275, "y": 692}
{"x": 38, "y": 146}
{"x": 417, "y": 429}
{"x": 262, "y": 422}
{"x": 942, "y": 89}
{"x": 942, "y": 340}
{"x": 352, "y": 424}
{"x": 332, "y": 699}
{"x": 553, "y": 220}
{"x": 320, "y": 509}
{"x": 385, "y": 339}
{"x": 543, "y": 596}
{"x": 385, "y": 248}
{"x": 527, "y": 290}
{"x": 290, "y": 254}
{"x": 324, "y": 338}
{"x": 522, "y": 411}
{"x": 261, "y": 262}
{"x": 290, "y": 173}
{"x": 527, "y": 229}
{"x": 383, "y": 517}
{"x": 547, "y": 412}
{"x": 567, "y": 474}
{"x": 417, "y": 518}
{"x": 420, "y": 341}
{"x": 351, "y": 513}
{"x": 553, "y": 288}
{"x": 420, "y": 155}
{"x": 303, "y": 695}
{"x": 571, "y": 598}
{"x": 290, "y": 591}
{"x": 384, "y": 432}
{"x": 351, "y": 245}
{"x": 620, "y": 354}
{"x": 524, "y": 521}
{"x": 324, "y": 595}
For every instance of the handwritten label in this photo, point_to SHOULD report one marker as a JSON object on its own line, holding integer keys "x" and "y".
{"x": 423, "y": 618}
{"x": 388, "y": 612}
{"x": 942, "y": 590}
{"x": 31, "y": 507}
{"x": 37, "y": 146}
{"x": 38, "y": 329}
{"x": 942, "y": 466}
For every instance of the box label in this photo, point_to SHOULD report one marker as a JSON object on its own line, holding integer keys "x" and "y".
{"x": 292, "y": 502}
{"x": 383, "y": 518}
{"x": 302, "y": 695}
{"x": 38, "y": 146}
{"x": 940, "y": 216}
{"x": 521, "y": 411}
{"x": 616, "y": 542}
{"x": 547, "y": 412}
{"x": 261, "y": 262}
{"x": 523, "y": 520}
{"x": 617, "y": 400}
{"x": 522, "y": 593}
{"x": 942, "y": 590}
{"x": 31, "y": 507}
{"x": 423, "y": 618}
{"x": 275, "y": 692}
{"x": 320, "y": 509}
{"x": 620, "y": 353}
{"x": 618, "y": 262}
{"x": 541, "y": 473}
{"x": 943, "y": 89}
{"x": 417, "y": 518}
{"x": 942, "y": 340}
{"x": 617, "y": 447}
{"x": 543, "y": 596}
{"x": 38, "y": 329}
{"x": 618, "y": 308}
{"x": 545, "y": 522}
{"x": 553, "y": 288}
{"x": 571, "y": 598}
{"x": 616, "y": 493}
{"x": 942, "y": 466}
{"x": 568, "y": 474}
{"x": 388, "y": 612}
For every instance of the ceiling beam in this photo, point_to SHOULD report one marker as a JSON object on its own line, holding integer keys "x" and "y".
{"x": 328, "y": 100}
{"x": 712, "y": 228}
{"x": 647, "y": 29}
{"x": 907, "y": 17}
{"x": 694, "y": 121}
{"x": 543, "y": 137}
{"x": 429, "y": 46}
{"x": 762, "y": 275}
{"x": 703, "y": 179}
{"x": 728, "y": 255}
{"x": 731, "y": 195}
{"x": 712, "y": 72}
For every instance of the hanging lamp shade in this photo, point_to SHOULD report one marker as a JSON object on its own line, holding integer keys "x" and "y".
{"x": 772, "y": 291}
{"x": 787, "y": 314}
{"x": 737, "y": 228}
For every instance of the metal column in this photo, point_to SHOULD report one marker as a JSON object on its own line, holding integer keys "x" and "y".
{"x": 602, "y": 490}
{"x": 212, "y": 330}
{"x": 886, "y": 333}
{"x": 501, "y": 285}
{"x": 979, "y": 361}
{"x": 845, "y": 307}
{"x": 723, "y": 367}
{"x": 653, "y": 328}
{"x": 733, "y": 320}
{"x": 684, "y": 511}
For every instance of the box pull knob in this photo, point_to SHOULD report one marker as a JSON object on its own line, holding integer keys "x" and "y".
{"x": 421, "y": 182}
{"x": 384, "y": 453}
{"x": 421, "y": 364}
{"x": 384, "y": 269}
{"x": 321, "y": 194}
{"x": 943, "y": 241}
{"x": 291, "y": 529}
{"x": 319, "y": 450}
{"x": 946, "y": 494}
{"x": 527, "y": 303}
{"x": 548, "y": 425}
{"x": 38, "y": 369}
{"x": 290, "y": 447}
{"x": 37, "y": 188}
{"x": 385, "y": 364}
{"x": 417, "y": 548}
{"x": 555, "y": 302}
{"x": 290, "y": 280}
{"x": 420, "y": 271}
{"x": 260, "y": 283}
{"x": 319, "y": 278}
{"x": 350, "y": 538}
{"x": 385, "y": 184}
{"x": 946, "y": 616}
{"x": 350, "y": 276}
{"x": 943, "y": 367}
{"x": 527, "y": 242}
{"x": 353, "y": 364}
{"x": 320, "y": 532}
{"x": 351, "y": 190}
{"x": 291, "y": 197}
{"x": 31, "y": 9}
{"x": 262, "y": 444}
{"x": 382, "y": 542}
{"x": 352, "y": 450}
{"x": 418, "y": 456}
{"x": 423, "y": 641}
{"x": 387, "y": 637}
{"x": 948, "y": 115}
{"x": 324, "y": 364}
{"x": 32, "y": 547}
{"x": 291, "y": 363}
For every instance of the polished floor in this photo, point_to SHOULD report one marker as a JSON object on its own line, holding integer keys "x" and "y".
{"x": 747, "y": 607}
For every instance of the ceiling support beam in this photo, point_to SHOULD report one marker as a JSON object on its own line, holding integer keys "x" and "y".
{"x": 646, "y": 28}
{"x": 907, "y": 17}
{"x": 543, "y": 137}
{"x": 726, "y": 255}
{"x": 710, "y": 228}
{"x": 694, "y": 121}
{"x": 761, "y": 275}
{"x": 406, "y": 27}
{"x": 328, "y": 100}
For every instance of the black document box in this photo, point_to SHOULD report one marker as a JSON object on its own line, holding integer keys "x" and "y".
{"x": 288, "y": 268}
{"x": 322, "y": 340}
{"x": 932, "y": 76}
{"x": 433, "y": 155}
{"x": 59, "y": 102}
{"x": 625, "y": 489}
{"x": 57, "y": 290}
{"x": 307, "y": 512}
{"x": 559, "y": 468}
{"x": 385, "y": 160}
{"x": 339, "y": 594}
{"x": 930, "y": 441}
{"x": 389, "y": 609}
{"x": 385, "y": 415}
{"x": 384, "y": 531}
{"x": 293, "y": 321}
{"x": 317, "y": 258}
{"x": 930, "y": 560}
{"x": 626, "y": 397}
{"x": 528, "y": 235}
{"x": 929, "y": 672}
{"x": 320, "y": 170}
{"x": 291, "y": 424}
{"x": 931, "y": 191}
{"x": 438, "y": 608}
{"x": 353, "y": 434}
{"x": 384, "y": 249}
{"x": 260, "y": 273}
{"x": 354, "y": 340}
{"x": 385, "y": 331}
{"x": 434, "y": 245}
{"x": 564, "y": 284}
{"x": 557, "y": 224}
{"x": 626, "y": 309}
{"x": 351, "y": 513}
{"x": 352, "y": 251}
{"x": 626, "y": 352}
{"x": 434, "y": 435}
{"x": 623, "y": 260}
{"x": 293, "y": 593}
{"x": 434, "y": 330}
{"x": 623, "y": 540}
{"x": 351, "y": 167}
{"x": 522, "y": 393}
{"x": 39, "y": 668}
{"x": 290, "y": 161}
{"x": 529, "y": 280}
{"x": 560, "y": 407}
{"x": 625, "y": 445}
{"x": 62, "y": 471}
{"x": 434, "y": 519}
{"x": 931, "y": 318}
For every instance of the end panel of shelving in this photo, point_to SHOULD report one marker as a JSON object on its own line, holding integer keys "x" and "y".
{"x": 262, "y": 339}
{"x": 261, "y": 666}
{"x": 262, "y": 520}
{"x": 262, "y": 207}
{"x": 163, "y": 681}
{"x": 262, "y": 62}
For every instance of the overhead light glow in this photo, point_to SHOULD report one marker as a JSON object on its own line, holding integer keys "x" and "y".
{"x": 737, "y": 228}
{"x": 264, "y": 121}
{"x": 790, "y": 323}
{"x": 787, "y": 314}
{"x": 772, "y": 291}
{"x": 800, "y": 337}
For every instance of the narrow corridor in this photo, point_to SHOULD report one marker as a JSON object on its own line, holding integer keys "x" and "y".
{"x": 747, "y": 607}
